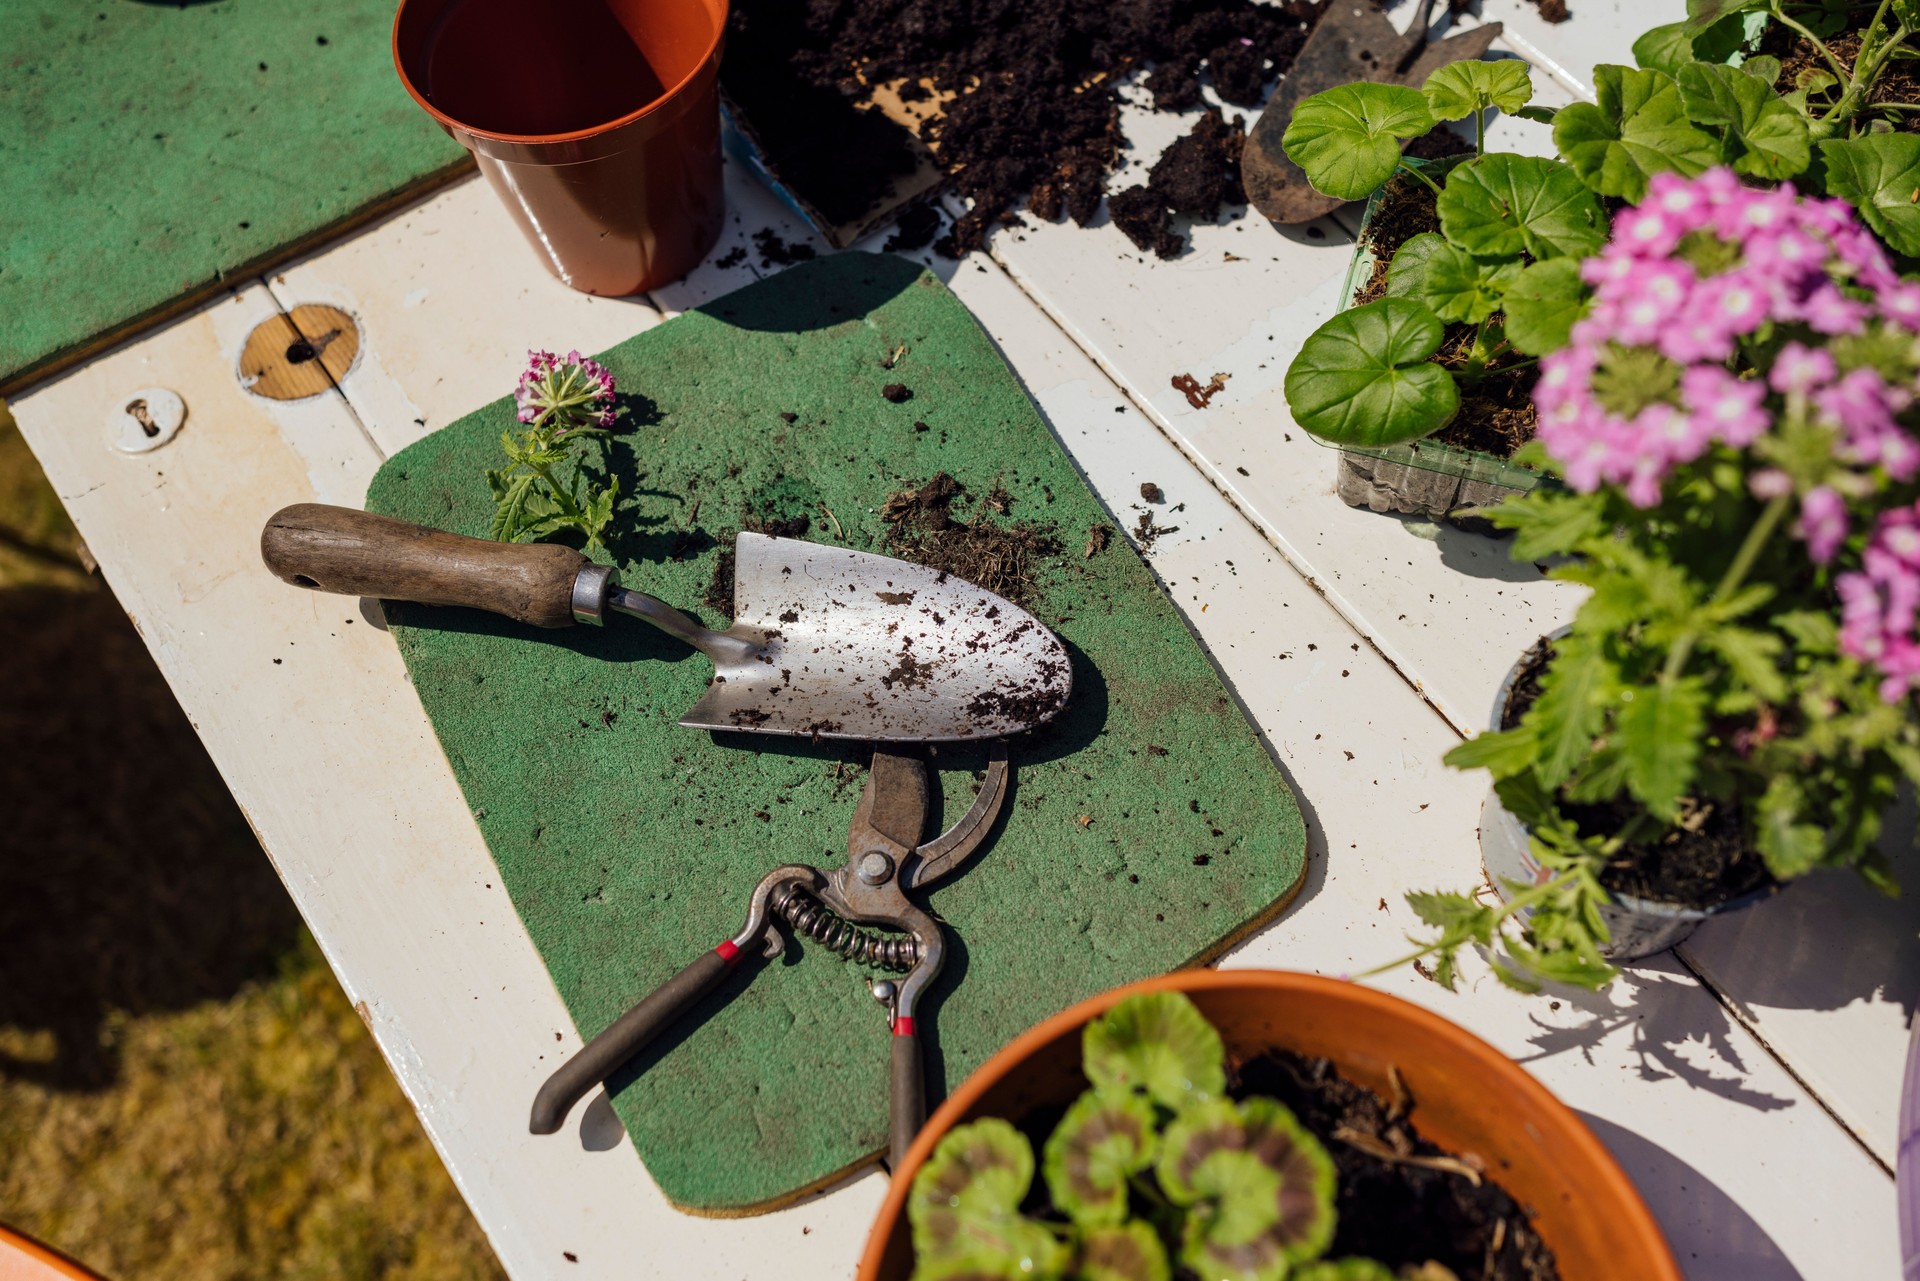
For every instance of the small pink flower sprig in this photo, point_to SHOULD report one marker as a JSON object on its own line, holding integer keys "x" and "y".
{"x": 1736, "y": 423}
{"x": 561, "y": 399}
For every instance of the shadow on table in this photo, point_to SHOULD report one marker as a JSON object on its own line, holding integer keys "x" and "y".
{"x": 1713, "y": 1239}
{"x": 1669, "y": 1026}
{"x": 130, "y": 881}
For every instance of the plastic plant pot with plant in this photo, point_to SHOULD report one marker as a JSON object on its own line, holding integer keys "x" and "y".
{"x": 1233, "y": 1123}
{"x": 596, "y": 122}
{"x": 1737, "y": 423}
{"x": 1467, "y": 270}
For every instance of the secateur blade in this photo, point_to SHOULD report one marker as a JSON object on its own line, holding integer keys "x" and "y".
{"x": 836, "y": 643}
{"x": 1353, "y": 41}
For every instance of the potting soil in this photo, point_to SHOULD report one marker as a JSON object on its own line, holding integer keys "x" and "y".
{"x": 152, "y": 151}
{"x": 1146, "y": 830}
{"x": 1037, "y": 112}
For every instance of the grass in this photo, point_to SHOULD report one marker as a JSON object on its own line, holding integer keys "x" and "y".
{"x": 185, "y": 1093}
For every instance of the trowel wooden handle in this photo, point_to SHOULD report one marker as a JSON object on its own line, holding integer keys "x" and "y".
{"x": 355, "y": 553}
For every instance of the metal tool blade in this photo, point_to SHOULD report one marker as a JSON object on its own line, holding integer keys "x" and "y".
{"x": 847, "y": 644}
{"x": 1353, "y": 41}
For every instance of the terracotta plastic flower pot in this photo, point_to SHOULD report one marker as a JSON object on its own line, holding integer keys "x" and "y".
{"x": 596, "y": 121}
{"x": 1468, "y": 1097}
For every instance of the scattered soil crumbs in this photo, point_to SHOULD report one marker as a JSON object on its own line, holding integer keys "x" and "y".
{"x": 1496, "y": 413}
{"x": 918, "y": 226}
{"x": 775, "y": 252}
{"x": 720, "y": 587}
{"x": 898, "y": 393}
{"x": 1099, "y": 538}
{"x": 1146, "y": 533}
{"x": 1702, "y": 862}
{"x": 1195, "y": 176}
{"x": 732, "y": 258}
{"x": 1553, "y": 10}
{"x": 1037, "y": 111}
{"x": 1001, "y": 558}
{"x": 1402, "y": 1200}
{"x": 1198, "y": 396}
{"x": 1152, "y": 493}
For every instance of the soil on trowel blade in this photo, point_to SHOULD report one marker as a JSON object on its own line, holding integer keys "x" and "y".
{"x": 1037, "y": 112}
{"x": 922, "y": 527}
{"x": 1496, "y": 413}
{"x": 1702, "y": 861}
{"x": 1402, "y": 1199}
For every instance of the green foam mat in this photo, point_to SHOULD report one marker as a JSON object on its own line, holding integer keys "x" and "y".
{"x": 151, "y": 150}
{"x": 1148, "y": 827}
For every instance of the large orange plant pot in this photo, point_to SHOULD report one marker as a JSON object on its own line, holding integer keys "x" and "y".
{"x": 1468, "y": 1098}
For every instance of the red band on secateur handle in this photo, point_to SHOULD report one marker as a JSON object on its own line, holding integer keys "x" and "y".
{"x": 903, "y": 1025}
{"x": 729, "y": 952}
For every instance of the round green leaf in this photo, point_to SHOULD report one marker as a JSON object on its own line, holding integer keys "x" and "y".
{"x": 1878, "y": 174}
{"x": 1458, "y": 287}
{"x": 1157, "y": 1042}
{"x": 1365, "y": 378}
{"x": 1542, "y": 305}
{"x": 1259, "y": 1189}
{"x": 1347, "y": 139}
{"x": 1105, "y": 1138}
{"x": 1638, "y": 128}
{"x": 1129, "y": 1252}
{"x": 964, "y": 1207}
{"x": 1462, "y": 89}
{"x": 1666, "y": 48}
{"x": 1503, "y": 205}
{"x": 1759, "y": 133}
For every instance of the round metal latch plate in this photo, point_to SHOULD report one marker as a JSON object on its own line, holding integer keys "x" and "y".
{"x": 300, "y": 353}
{"x": 145, "y": 420}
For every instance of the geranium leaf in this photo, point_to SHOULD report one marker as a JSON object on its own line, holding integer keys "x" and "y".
{"x": 1259, "y": 1189}
{"x": 1879, "y": 175}
{"x": 1638, "y": 128}
{"x": 1702, "y": 14}
{"x": 1365, "y": 378}
{"x": 1129, "y": 1252}
{"x": 964, "y": 1208}
{"x": 1503, "y": 205}
{"x": 1347, "y": 139}
{"x": 1157, "y": 1042}
{"x": 1657, "y": 732}
{"x": 1760, "y": 134}
{"x": 1105, "y": 1138}
{"x": 1667, "y": 48}
{"x": 1454, "y": 284}
{"x": 1542, "y": 305}
{"x": 1462, "y": 89}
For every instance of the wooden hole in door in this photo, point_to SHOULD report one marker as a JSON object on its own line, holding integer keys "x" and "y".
{"x": 299, "y": 353}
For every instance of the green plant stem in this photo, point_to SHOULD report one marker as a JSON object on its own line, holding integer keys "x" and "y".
{"x": 1779, "y": 16}
{"x": 567, "y": 505}
{"x": 1432, "y": 186}
{"x": 1893, "y": 106}
{"x": 1519, "y": 902}
{"x": 1480, "y": 132}
{"x": 1730, "y": 582}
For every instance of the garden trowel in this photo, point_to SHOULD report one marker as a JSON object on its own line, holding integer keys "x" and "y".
{"x": 1353, "y": 41}
{"x": 826, "y": 642}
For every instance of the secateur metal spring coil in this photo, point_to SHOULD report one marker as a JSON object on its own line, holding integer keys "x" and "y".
{"x": 809, "y": 916}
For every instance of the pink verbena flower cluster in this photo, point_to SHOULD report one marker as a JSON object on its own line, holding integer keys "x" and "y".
{"x": 569, "y": 393}
{"x": 1647, "y": 382}
{"x": 1878, "y": 602}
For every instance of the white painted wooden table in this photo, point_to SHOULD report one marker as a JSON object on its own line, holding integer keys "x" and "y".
{"x": 1748, "y": 1084}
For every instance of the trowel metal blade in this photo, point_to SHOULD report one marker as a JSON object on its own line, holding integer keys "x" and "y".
{"x": 1353, "y": 41}
{"x": 853, "y": 645}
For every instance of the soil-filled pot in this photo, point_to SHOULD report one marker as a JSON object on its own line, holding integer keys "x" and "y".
{"x": 596, "y": 121}
{"x": 1429, "y": 477}
{"x": 1637, "y": 927}
{"x": 1467, "y": 1097}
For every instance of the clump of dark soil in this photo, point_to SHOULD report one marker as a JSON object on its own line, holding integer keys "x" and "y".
{"x": 1004, "y": 559}
{"x": 1037, "y": 112}
{"x": 1195, "y": 176}
{"x": 1702, "y": 861}
{"x": 1402, "y": 1199}
{"x": 916, "y": 230}
{"x": 720, "y": 587}
{"x": 775, "y": 252}
{"x": 897, "y": 393}
{"x": 1496, "y": 413}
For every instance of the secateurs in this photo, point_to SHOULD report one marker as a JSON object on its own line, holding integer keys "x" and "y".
{"x": 886, "y": 860}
